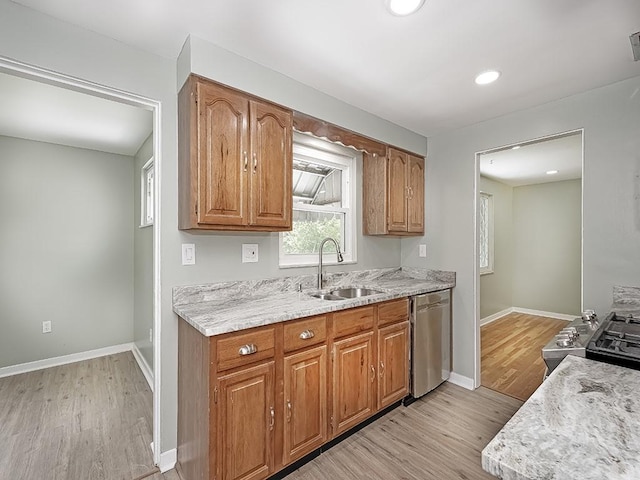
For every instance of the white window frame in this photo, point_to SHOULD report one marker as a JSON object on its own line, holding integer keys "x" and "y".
{"x": 489, "y": 235}
{"x": 147, "y": 193}
{"x": 347, "y": 159}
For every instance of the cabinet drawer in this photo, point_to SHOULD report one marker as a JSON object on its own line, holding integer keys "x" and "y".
{"x": 394, "y": 311}
{"x": 352, "y": 321}
{"x": 245, "y": 347}
{"x": 305, "y": 333}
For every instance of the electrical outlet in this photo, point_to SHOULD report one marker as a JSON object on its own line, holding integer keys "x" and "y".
{"x": 46, "y": 326}
{"x": 151, "y": 335}
{"x": 249, "y": 252}
{"x": 188, "y": 254}
{"x": 423, "y": 250}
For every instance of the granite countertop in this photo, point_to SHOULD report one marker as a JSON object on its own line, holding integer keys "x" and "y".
{"x": 219, "y": 308}
{"x": 582, "y": 423}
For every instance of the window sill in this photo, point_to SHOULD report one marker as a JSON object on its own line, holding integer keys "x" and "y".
{"x": 145, "y": 226}
{"x": 486, "y": 272}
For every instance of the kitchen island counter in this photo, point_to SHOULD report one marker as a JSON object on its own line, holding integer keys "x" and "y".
{"x": 582, "y": 423}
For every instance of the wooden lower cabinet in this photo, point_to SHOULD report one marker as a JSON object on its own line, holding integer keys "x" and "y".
{"x": 393, "y": 363}
{"x": 252, "y": 402}
{"x": 246, "y": 420}
{"x": 353, "y": 377}
{"x": 305, "y": 402}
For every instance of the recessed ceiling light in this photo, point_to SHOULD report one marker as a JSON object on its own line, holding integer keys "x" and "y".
{"x": 552, "y": 172}
{"x": 515, "y": 148}
{"x": 403, "y": 7}
{"x": 487, "y": 77}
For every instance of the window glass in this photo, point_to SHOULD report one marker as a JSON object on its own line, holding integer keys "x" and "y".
{"x": 323, "y": 202}
{"x": 147, "y": 193}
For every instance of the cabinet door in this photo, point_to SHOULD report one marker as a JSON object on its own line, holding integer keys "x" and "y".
{"x": 271, "y": 165}
{"x": 397, "y": 191}
{"x": 222, "y": 156}
{"x": 305, "y": 402}
{"x": 245, "y": 419}
{"x": 415, "y": 207}
{"x": 393, "y": 358}
{"x": 353, "y": 380}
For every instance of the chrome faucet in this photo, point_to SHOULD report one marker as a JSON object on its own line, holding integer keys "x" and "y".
{"x": 340, "y": 259}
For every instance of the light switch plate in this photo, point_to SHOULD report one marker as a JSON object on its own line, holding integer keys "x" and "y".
{"x": 249, "y": 252}
{"x": 188, "y": 254}
{"x": 422, "y": 250}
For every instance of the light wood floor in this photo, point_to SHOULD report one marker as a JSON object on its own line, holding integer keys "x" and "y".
{"x": 90, "y": 420}
{"x": 512, "y": 353}
{"x": 438, "y": 437}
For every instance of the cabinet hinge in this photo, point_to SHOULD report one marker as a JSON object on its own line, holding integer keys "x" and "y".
{"x": 215, "y": 395}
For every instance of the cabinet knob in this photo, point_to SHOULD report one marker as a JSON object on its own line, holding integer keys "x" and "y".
{"x": 248, "y": 349}
{"x": 307, "y": 334}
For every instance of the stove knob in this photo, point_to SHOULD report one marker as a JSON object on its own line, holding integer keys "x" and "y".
{"x": 564, "y": 341}
{"x": 589, "y": 316}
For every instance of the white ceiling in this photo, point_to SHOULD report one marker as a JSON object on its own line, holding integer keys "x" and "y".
{"x": 46, "y": 113}
{"x": 415, "y": 71}
{"x": 528, "y": 164}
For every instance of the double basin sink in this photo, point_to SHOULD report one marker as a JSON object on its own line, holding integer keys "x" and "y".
{"x": 345, "y": 293}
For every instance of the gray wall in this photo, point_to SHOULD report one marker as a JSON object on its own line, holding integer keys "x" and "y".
{"x": 496, "y": 289}
{"x": 143, "y": 262}
{"x": 66, "y": 250}
{"x": 611, "y": 210}
{"x": 537, "y": 239}
{"x": 547, "y": 247}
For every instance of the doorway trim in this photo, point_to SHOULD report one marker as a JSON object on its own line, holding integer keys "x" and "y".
{"x": 476, "y": 250}
{"x": 42, "y": 75}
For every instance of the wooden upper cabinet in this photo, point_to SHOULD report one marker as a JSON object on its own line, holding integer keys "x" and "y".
{"x": 393, "y": 194}
{"x": 235, "y": 160}
{"x": 397, "y": 190}
{"x": 415, "y": 203}
{"x": 272, "y": 165}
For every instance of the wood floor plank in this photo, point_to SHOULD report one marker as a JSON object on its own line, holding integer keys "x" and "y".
{"x": 90, "y": 420}
{"x": 511, "y": 351}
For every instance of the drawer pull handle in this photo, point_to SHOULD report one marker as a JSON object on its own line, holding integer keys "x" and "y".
{"x": 307, "y": 334}
{"x": 249, "y": 349}
{"x": 272, "y": 421}
{"x": 288, "y": 411}
{"x": 373, "y": 373}
{"x": 381, "y": 369}
{"x": 246, "y": 161}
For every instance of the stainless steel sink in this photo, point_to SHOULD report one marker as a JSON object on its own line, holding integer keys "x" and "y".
{"x": 353, "y": 292}
{"x": 345, "y": 293}
{"x": 327, "y": 296}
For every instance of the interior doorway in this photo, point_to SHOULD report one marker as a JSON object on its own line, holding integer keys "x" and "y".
{"x": 80, "y": 242}
{"x": 529, "y": 256}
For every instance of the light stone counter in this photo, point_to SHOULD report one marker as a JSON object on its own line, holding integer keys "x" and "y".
{"x": 583, "y": 423}
{"x": 219, "y": 308}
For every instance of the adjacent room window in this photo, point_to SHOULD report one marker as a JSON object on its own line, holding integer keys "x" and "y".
{"x": 323, "y": 202}
{"x": 486, "y": 233}
{"x": 147, "y": 194}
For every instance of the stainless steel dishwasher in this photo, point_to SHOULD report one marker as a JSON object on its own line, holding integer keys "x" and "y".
{"x": 430, "y": 341}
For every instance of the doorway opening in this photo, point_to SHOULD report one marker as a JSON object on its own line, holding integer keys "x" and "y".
{"x": 101, "y": 176}
{"x": 528, "y": 256}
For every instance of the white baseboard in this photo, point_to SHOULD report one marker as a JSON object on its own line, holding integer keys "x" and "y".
{"x": 528, "y": 311}
{"x": 495, "y": 316}
{"x": 168, "y": 460}
{"x": 64, "y": 359}
{"x": 540, "y": 313}
{"x": 461, "y": 381}
{"x": 144, "y": 366}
